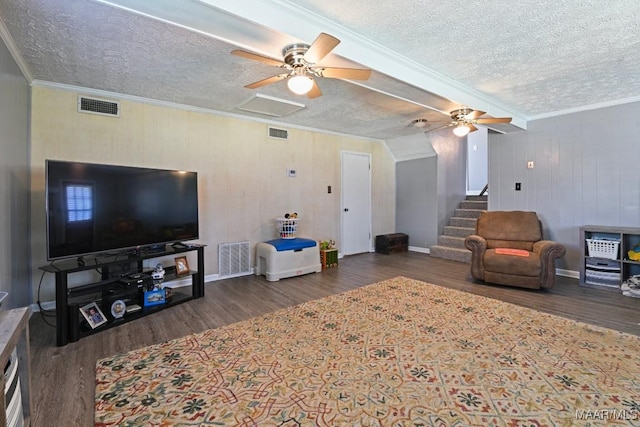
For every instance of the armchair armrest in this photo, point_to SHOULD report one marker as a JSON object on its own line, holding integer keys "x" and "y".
{"x": 478, "y": 246}
{"x": 548, "y": 251}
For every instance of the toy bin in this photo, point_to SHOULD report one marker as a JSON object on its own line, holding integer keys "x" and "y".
{"x": 328, "y": 258}
{"x": 287, "y": 227}
{"x": 281, "y": 258}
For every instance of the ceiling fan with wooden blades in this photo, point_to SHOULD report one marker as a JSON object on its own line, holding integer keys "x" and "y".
{"x": 465, "y": 119}
{"x": 301, "y": 60}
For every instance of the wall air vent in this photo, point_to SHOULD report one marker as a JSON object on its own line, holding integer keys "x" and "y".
{"x": 98, "y": 106}
{"x": 278, "y": 133}
{"x": 234, "y": 259}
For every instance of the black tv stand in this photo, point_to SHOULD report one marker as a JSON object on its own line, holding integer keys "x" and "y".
{"x": 69, "y": 300}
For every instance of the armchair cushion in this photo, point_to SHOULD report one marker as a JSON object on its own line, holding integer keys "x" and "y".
{"x": 512, "y": 264}
{"x": 508, "y": 249}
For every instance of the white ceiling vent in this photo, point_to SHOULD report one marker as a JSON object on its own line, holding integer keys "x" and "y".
{"x": 98, "y": 106}
{"x": 278, "y": 133}
{"x": 270, "y": 106}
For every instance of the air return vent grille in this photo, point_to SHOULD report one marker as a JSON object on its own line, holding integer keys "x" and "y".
{"x": 98, "y": 106}
{"x": 270, "y": 106}
{"x": 278, "y": 133}
{"x": 234, "y": 259}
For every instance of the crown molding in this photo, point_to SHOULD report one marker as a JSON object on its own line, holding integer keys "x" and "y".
{"x": 15, "y": 53}
{"x": 590, "y": 107}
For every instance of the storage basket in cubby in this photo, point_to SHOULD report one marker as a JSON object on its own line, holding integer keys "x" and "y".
{"x": 287, "y": 227}
{"x": 603, "y": 248}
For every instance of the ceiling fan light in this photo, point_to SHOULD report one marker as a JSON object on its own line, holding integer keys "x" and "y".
{"x": 300, "y": 84}
{"x": 461, "y": 130}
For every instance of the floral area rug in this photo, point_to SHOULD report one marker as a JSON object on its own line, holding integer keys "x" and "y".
{"x": 396, "y": 353}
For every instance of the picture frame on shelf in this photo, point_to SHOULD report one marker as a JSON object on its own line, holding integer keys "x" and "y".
{"x": 93, "y": 315}
{"x": 182, "y": 266}
{"x": 154, "y": 297}
{"x": 118, "y": 309}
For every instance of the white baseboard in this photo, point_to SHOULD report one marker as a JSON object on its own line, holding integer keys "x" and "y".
{"x": 419, "y": 249}
{"x": 568, "y": 273}
{"x": 47, "y": 305}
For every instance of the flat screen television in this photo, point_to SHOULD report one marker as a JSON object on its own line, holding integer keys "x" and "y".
{"x": 97, "y": 208}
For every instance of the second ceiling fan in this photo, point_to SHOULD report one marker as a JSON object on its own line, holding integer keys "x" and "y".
{"x": 464, "y": 120}
{"x": 301, "y": 60}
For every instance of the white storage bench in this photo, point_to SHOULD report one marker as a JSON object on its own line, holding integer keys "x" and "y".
{"x": 281, "y": 258}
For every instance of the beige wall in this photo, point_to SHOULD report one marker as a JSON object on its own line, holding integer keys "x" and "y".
{"x": 243, "y": 185}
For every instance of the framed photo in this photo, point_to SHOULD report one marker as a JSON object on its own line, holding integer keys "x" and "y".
{"x": 91, "y": 312}
{"x": 155, "y": 297}
{"x": 118, "y": 309}
{"x": 182, "y": 266}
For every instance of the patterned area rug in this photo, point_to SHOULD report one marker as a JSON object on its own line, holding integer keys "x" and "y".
{"x": 396, "y": 353}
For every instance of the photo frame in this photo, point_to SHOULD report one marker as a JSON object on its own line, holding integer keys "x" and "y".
{"x": 182, "y": 265}
{"x": 93, "y": 315}
{"x": 155, "y": 297}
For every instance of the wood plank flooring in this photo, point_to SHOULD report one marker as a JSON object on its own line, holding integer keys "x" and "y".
{"x": 63, "y": 377}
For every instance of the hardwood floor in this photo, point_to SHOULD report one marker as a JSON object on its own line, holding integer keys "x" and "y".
{"x": 63, "y": 377}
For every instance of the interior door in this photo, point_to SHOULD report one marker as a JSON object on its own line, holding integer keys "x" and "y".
{"x": 356, "y": 203}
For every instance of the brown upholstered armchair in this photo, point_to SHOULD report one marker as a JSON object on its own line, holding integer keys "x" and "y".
{"x": 508, "y": 249}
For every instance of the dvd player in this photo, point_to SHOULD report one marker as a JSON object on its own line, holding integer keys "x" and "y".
{"x": 139, "y": 280}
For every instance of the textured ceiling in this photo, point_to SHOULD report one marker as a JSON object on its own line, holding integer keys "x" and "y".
{"x": 429, "y": 57}
{"x": 537, "y": 57}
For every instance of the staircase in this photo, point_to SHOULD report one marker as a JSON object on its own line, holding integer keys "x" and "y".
{"x": 461, "y": 224}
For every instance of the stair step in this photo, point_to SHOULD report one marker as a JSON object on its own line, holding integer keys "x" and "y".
{"x": 467, "y": 213}
{"x": 474, "y": 204}
{"x": 462, "y": 222}
{"x": 458, "y": 231}
{"x": 451, "y": 241}
{"x": 454, "y": 254}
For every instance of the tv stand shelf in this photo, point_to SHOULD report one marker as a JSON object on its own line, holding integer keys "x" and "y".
{"x": 68, "y": 300}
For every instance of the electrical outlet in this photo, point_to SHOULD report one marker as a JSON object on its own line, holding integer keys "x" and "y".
{"x": 518, "y": 186}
